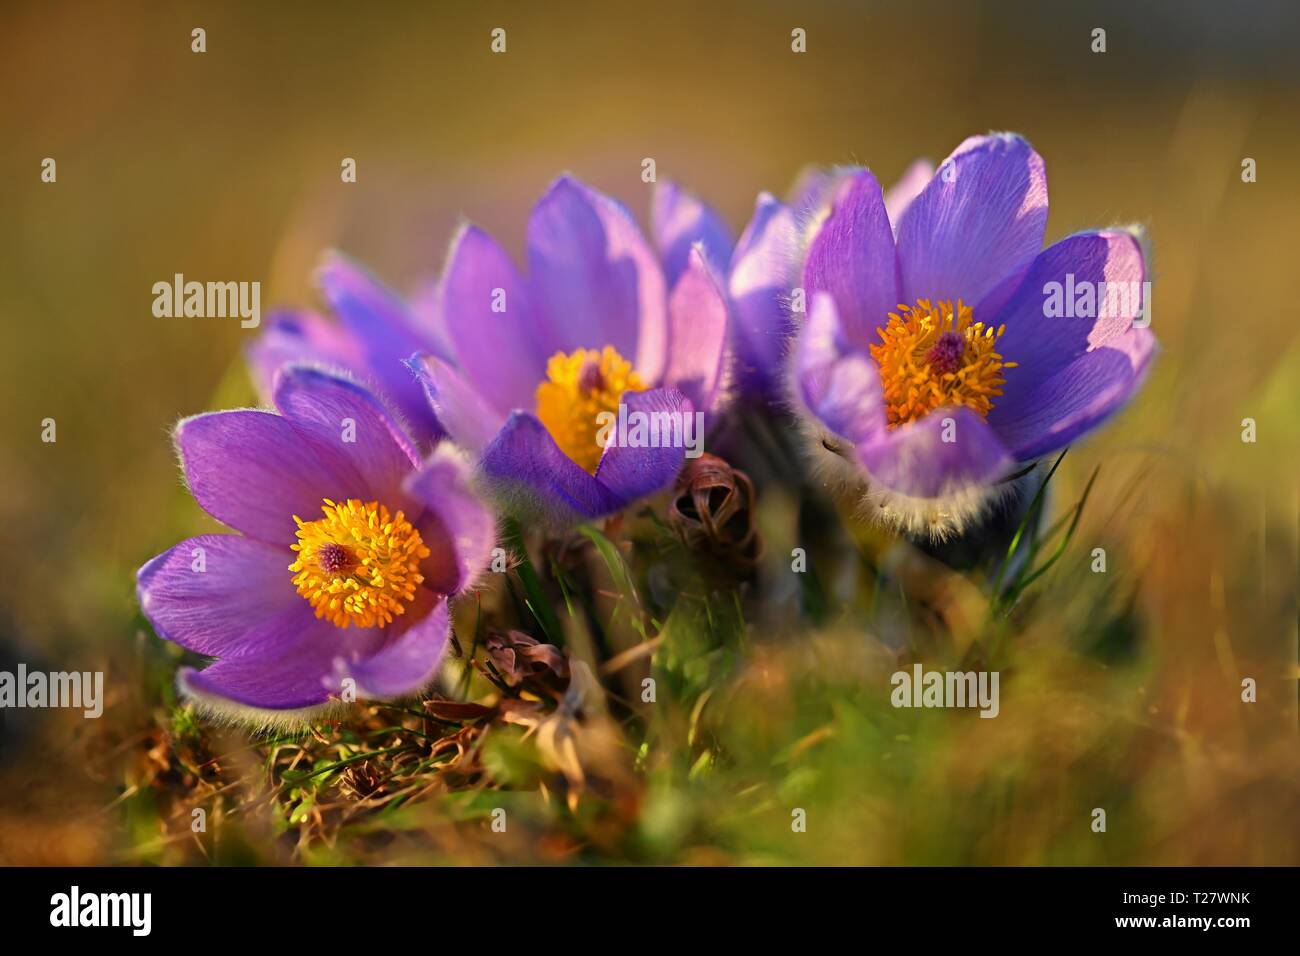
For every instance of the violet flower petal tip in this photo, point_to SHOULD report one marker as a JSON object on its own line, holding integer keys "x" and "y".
{"x": 759, "y": 287}
{"x": 699, "y": 317}
{"x": 852, "y": 257}
{"x": 489, "y": 319}
{"x": 593, "y": 279}
{"x": 980, "y": 219}
{"x": 382, "y": 326}
{"x": 681, "y": 222}
{"x": 461, "y": 408}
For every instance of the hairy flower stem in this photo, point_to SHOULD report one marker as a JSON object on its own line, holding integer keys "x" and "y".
{"x": 983, "y": 546}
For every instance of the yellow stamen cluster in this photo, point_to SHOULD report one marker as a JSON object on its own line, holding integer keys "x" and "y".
{"x": 358, "y": 564}
{"x": 931, "y": 358}
{"x": 579, "y": 387}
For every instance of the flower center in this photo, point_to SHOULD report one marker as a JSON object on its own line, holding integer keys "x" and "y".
{"x": 931, "y": 357}
{"x": 358, "y": 564}
{"x": 579, "y": 387}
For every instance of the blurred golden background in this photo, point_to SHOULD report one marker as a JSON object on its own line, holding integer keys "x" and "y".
{"x": 225, "y": 165}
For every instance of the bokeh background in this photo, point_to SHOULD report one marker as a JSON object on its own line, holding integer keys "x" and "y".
{"x": 225, "y": 165}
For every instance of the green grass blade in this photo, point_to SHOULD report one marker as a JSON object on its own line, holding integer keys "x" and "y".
{"x": 1031, "y": 517}
{"x": 1065, "y": 541}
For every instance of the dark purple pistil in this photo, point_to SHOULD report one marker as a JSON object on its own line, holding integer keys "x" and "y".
{"x": 333, "y": 558}
{"x": 945, "y": 355}
{"x": 590, "y": 378}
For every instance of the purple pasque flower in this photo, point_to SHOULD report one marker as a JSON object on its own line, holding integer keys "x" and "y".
{"x": 764, "y": 270}
{"x": 938, "y": 355}
{"x": 347, "y": 549}
{"x": 376, "y": 332}
{"x": 552, "y": 372}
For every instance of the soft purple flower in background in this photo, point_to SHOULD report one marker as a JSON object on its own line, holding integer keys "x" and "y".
{"x": 377, "y": 538}
{"x": 600, "y": 318}
{"x": 758, "y": 283}
{"x": 376, "y": 332}
{"x": 969, "y": 378}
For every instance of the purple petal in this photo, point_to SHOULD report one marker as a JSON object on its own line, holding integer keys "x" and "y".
{"x": 1076, "y": 399}
{"x": 759, "y": 287}
{"x": 1042, "y": 339}
{"x": 374, "y": 314}
{"x": 292, "y": 670}
{"x": 914, "y": 459}
{"x": 427, "y": 314}
{"x": 495, "y": 350}
{"x": 220, "y": 595}
{"x": 698, "y": 312}
{"x": 630, "y": 472}
{"x": 254, "y": 471}
{"x": 350, "y": 429}
{"x": 382, "y": 325}
{"x": 838, "y": 384}
{"x": 813, "y": 190}
{"x": 851, "y": 403}
{"x": 407, "y": 664}
{"x": 594, "y": 280}
{"x": 468, "y": 417}
{"x": 628, "y": 245}
{"x": 979, "y": 220}
{"x": 466, "y": 529}
{"x": 852, "y": 258}
{"x": 680, "y": 220}
{"x": 528, "y": 474}
{"x": 900, "y": 195}
{"x": 298, "y": 337}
